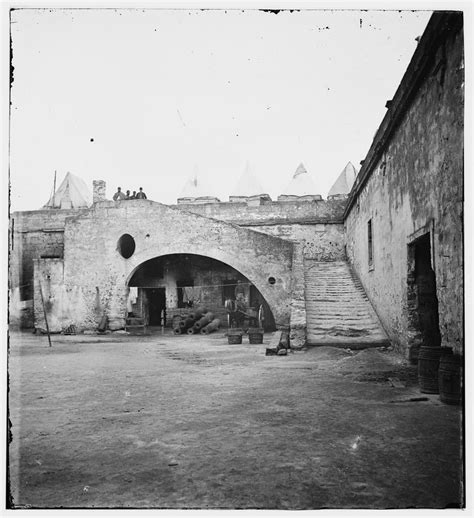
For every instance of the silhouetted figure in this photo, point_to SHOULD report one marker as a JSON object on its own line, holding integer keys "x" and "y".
{"x": 141, "y": 195}
{"x": 240, "y": 296}
{"x": 134, "y": 195}
{"x": 119, "y": 195}
{"x": 127, "y": 195}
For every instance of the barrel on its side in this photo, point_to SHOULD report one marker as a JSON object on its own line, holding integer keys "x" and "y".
{"x": 428, "y": 365}
{"x": 450, "y": 374}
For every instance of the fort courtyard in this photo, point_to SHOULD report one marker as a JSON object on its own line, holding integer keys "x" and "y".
{"x": 294, "y": 352}
{"x": 163, "y": 421}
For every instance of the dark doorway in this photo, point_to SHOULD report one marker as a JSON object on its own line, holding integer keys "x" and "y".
{"x": 426, "y": 299}
{"x": 156, "y": 303}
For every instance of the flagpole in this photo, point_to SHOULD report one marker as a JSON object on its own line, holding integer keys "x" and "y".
{"x": 54, "y": 188}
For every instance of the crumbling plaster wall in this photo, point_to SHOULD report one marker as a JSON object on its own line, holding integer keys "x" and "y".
{"x": 91, "y": 258}
{"x": 417, "y": 182}
{"x": 33, "y": 234}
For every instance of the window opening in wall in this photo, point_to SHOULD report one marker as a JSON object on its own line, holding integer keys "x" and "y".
{"x": 271, "y": 280}
{"x": 126, "y": 246}
{"x": 370, "y": 243}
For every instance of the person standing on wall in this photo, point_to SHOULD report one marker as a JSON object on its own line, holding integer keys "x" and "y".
{"x": 141, "y": 195}
{"x": 119, "y": 195}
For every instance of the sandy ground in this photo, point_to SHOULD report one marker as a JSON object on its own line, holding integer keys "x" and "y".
{"x": 192, "y": 422}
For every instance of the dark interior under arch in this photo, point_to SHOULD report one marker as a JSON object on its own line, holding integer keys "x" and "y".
{"x": 172, "y": 284}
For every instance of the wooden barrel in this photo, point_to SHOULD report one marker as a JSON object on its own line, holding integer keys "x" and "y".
{"x": 450, "y": 368}
{"x": 428, "y": 365}
{"x": 255, "y": 335}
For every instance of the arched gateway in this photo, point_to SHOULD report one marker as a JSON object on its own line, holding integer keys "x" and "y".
{"x": 107, "y": 247}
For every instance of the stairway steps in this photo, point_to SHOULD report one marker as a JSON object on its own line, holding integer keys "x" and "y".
{"x": 338, "y": 311}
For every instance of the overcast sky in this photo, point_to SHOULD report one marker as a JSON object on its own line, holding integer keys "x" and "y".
{"x": 139, "y": 97}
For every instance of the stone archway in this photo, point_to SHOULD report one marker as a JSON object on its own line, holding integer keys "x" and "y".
{"x": 97, "y": 239}
{"x": 209, "y": 281}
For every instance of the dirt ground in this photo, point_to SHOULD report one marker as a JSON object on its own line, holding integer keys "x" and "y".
{"x": 192, "y": 422}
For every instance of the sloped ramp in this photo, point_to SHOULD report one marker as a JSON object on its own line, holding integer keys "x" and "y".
{"x": 338, "y": 312}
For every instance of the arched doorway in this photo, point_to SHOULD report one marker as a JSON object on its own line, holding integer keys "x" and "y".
{"x": 171, "y": 284}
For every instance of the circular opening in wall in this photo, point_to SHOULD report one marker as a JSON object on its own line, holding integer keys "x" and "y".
{"x": 271, "y": 280}
{"x": 126, "y": 246}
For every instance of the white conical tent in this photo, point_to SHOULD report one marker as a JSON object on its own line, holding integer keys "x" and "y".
{"x": 345, "y": 181}
{"x": 196, "y": 186}
{"x": 248, "y": 184}
{"x": 71, "y": 194}
{"x": 301, "y": 183}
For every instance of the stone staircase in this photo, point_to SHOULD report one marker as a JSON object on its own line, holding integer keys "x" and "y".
{"x": 338, "y": 312}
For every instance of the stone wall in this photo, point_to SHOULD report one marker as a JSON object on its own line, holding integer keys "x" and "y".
{"x": 34, "y": 234}
{"x": 415, "y": 185}
{"x": 316, "y": 225}
{"x": 92, "y": 259}
{"x": 324, "y": 242}
{"x": 271, "y": 213}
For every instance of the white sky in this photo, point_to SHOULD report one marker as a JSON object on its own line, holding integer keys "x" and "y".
{"x": 160, "y": 91}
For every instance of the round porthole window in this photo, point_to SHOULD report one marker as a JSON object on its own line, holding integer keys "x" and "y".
{"x": 271, "y": 280}
{"x": 126, "y": 246}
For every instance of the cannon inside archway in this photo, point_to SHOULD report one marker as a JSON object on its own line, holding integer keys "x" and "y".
{"x": 170, "y": 285}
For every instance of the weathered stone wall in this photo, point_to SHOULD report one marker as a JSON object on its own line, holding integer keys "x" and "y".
{"x": 417, "y": 185}
{"x": 92, "y": 260}
{"x": 324, "y": 242}
{"x": 316, "y": 225}
{"x": 271, "y": 213}
{"x": 34, "y": 234}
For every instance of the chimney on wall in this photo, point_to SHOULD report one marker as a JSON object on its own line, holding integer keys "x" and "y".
{"x": 98, "y": 191}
